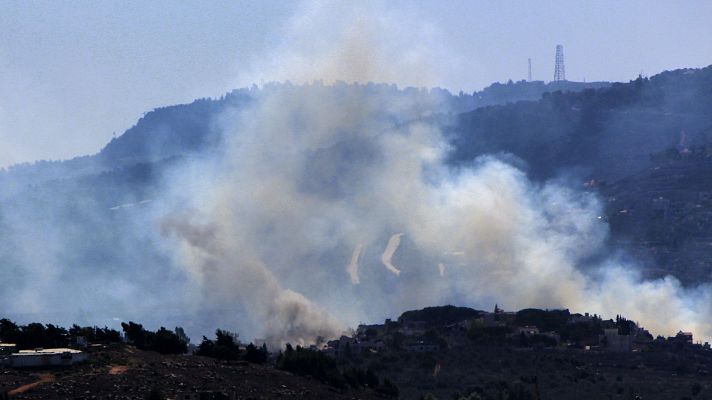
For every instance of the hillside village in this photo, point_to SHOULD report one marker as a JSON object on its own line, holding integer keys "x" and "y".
{"x": 441, "y": 352}
{"x": 658, "y": 207}
{"x": 436, "y": 329}
{"x": 461, "y": 353}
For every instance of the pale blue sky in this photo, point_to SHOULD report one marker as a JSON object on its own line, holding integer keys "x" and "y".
{"x": 73, "y": 72}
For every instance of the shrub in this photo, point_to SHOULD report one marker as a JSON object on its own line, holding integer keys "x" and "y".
{"x": 256, "y": 355}
{"x": 224, "y": 347}
{"x": 162, "y": 341}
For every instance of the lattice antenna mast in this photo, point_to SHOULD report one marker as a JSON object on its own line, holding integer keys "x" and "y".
{"x": 559, "y": 70}
{"x": 530, "y": 70}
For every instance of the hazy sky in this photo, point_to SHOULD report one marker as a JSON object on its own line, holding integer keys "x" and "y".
{"x": 74, "y": 72}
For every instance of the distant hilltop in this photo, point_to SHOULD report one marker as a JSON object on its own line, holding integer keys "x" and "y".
{"x": 435, "y": 329}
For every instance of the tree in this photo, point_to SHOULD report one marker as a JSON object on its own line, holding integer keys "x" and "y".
{"x": 181, "y": 334}
{"x": 37, "y": 335}
{"x": 107, "y": 335}
{"x": 226, "y": 338}
{"x": 256, "y": 355}
{"x": 167, "y": 342}
{"x": 206, "y": 348}
{"x": 316, "y": 364}
{"x": 224, "y": 347}
{"x": 135, "y": 333}
{"x": 9, "y": 331}
{"x": 55, "y": 336}
{"x": 162, "y": 341}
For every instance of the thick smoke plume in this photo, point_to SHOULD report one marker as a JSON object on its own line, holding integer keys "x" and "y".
{"x": 317, "y": 177}
{"x": 331, "y": 204}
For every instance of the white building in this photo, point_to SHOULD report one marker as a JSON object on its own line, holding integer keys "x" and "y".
{"x": 45, "y": 358}
{"x": 7, "y": 348}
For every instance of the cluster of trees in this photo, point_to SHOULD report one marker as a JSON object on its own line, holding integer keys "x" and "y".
{"x": 34, "y": 335}
{"x": 488, "y": 334}
{"x": 580, "y": 333}
{"x": 226, "y": 346}
{"x": 545, "y": 320}
{"x": 596, "y": 129}
{"x": 95, "y": 334}
{"x": 438, "y": 316}
{"x": 316, "y": 364}
{"x": 162, "y": 341}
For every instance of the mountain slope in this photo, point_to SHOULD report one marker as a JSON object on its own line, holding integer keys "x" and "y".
{"x": 606, "y": 133}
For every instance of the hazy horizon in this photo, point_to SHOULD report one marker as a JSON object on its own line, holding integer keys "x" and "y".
{"x": 72, "y": 76}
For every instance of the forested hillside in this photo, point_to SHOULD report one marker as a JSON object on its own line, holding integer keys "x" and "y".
{"x": 606, "y": 133}
{"x": 85, "y": 211}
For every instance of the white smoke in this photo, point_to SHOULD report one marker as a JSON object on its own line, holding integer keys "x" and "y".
{"x": 312, "y": 174}
{"x": 313, "y": 171}
{"x": 390, "y": 251}
{"x": 226, "y": 275}
{"x": 352, "y": 268}
{"x": 313, "y": 178}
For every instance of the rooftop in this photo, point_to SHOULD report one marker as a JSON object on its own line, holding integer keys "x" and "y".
{"x": 45, "y": 352}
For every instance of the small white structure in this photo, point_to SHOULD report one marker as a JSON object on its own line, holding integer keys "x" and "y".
{"x": 7, "y": 348}
{"x": 46, "y": 358}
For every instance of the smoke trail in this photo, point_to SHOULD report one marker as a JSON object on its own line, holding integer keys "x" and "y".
{"x": 390, "y": 251}
{"x": 352, "y": 268}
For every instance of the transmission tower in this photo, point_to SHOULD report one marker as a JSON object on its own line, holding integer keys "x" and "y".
{"x": 559, "y": 71}
{"x": 530, "y": 70}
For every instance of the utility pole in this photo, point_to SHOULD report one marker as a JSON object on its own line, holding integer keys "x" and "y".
{"x": 530, "y": 70}
{"x": 559, "y": 70}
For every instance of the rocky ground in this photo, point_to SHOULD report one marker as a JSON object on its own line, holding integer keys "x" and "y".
{"x": 485, "y": 372}
{"x": 123, "y": 372}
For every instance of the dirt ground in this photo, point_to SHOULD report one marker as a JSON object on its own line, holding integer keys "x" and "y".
{"x": 122, "y": 372}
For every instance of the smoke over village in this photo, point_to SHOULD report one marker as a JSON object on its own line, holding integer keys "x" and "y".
{"x": 338, "y": 186}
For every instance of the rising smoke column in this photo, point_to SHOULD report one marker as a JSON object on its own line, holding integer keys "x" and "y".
{"x": 227, "y": 276}
{"x": 292, "y": 204}
{"x": 311, "y": 177}
{"x": 313, "y": 174}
